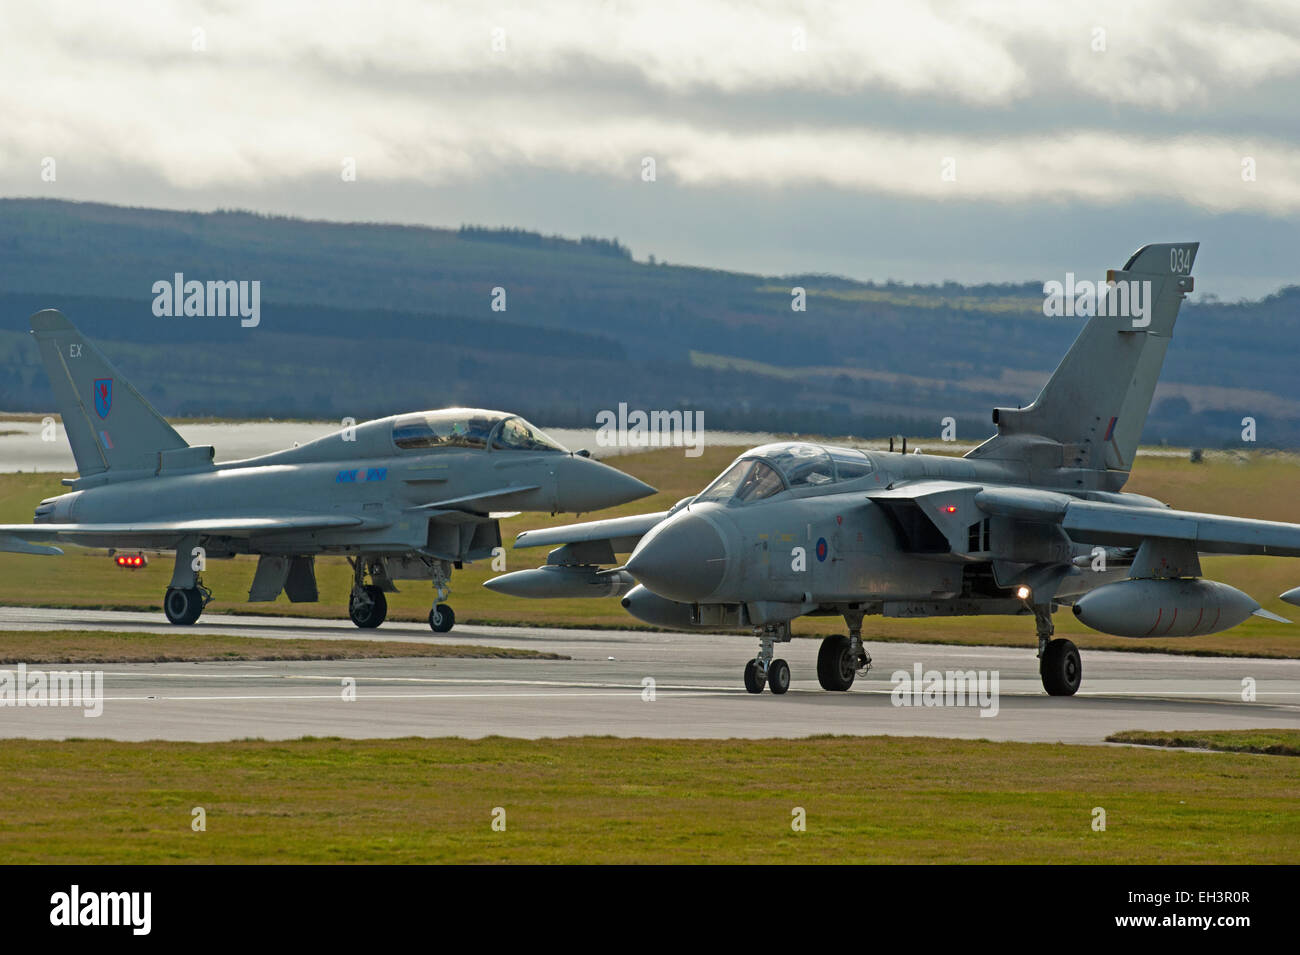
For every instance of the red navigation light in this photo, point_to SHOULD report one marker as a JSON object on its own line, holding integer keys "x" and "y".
{"x": 950, "y": 509}
{"x": 132, "y": 560}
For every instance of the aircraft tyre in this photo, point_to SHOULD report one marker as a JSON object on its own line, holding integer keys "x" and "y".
{"x": 754, "y": 679}
{"x": 778, "y": 676}
{"x": 182, "y": 607}
{"x": 1061, "y": 668}
{"x": 836, "y": 667}
{"x": 368, "y": 615}
{"x": 442, "y": 618}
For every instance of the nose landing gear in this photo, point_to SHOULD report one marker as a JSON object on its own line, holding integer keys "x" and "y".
{"x": 778, "y": 676}
{"x": 441, "y": 618}
{"x": 763, "y": 670}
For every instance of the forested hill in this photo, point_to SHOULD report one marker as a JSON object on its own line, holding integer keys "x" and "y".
{"x": 368, "y": 319}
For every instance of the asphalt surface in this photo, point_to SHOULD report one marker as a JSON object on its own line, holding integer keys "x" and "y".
{"x": 602, "y": 689}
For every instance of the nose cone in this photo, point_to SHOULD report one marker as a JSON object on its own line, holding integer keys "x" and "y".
{"x": 682, "y": 559}
{"x": 582, "y": 485}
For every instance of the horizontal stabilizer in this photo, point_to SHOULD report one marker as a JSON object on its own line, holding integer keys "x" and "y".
{"x": 14, "y": 545}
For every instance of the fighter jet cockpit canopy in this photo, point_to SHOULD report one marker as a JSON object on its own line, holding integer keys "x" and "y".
{"x": 773, "y": 468}
{"x": 470, "y": 428}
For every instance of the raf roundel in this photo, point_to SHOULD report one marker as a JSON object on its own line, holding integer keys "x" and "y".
{"x": 822, "y": 548}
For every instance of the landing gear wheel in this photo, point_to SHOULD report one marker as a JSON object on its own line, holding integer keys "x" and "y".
{"x": 183, "y": 606}
{"x": 778, "y": 676}
{"x": 1061, "y": 668}
{"x": 441, "y": 618}
{"x": 754, "y": 678}
{"x": 368, "y": 614}
{"x": 836, "y": 666}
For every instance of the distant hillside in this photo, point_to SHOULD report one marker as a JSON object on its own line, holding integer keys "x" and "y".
{"x": 365, "y": 319}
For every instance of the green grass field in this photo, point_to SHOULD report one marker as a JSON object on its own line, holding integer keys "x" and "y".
{"x": 1250, "y": 485}
{"x": 878, "y": 799}
{"x": 104, "y": 646}
{"x": 1271, "y": 742}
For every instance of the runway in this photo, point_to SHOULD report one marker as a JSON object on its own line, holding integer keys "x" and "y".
{"x": 626, "y": 683}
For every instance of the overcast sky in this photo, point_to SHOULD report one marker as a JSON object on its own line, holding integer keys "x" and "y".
{"x": 786, "y": 137}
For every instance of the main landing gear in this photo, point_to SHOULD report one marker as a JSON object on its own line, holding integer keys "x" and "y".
{"x": 442, "y": 618}
{"x": 183, "y": 605}
{"x": 1058, "y": 659}
{"x": 840, "y": 658}
{"x": 186, "y": 596}
{"x": 367, "y": 605}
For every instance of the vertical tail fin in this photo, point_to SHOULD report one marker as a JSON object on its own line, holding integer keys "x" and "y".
{"x": 109, "y": 424}
{"x": 1095, "y": 404}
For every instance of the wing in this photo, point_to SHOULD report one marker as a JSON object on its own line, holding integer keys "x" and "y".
{"x": 571, "y": 569}
{"x": 620, "y": 534}
{"x": 1103, "y": 522}
{"x": 31, "y": 538}
{"x": 949, "y": 508}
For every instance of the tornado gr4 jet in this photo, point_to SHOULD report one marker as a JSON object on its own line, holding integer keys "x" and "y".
{"x": 408, "y": 497}
{"x": 1031, "y": 520}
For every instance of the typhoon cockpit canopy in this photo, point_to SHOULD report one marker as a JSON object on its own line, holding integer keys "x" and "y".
{"x": 773, "y": 468}
{"x": 470, "y": 428}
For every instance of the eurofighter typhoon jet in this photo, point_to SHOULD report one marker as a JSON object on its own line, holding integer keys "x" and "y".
{"x": 407, "y": 497}
{"x": 1031, "y": 520}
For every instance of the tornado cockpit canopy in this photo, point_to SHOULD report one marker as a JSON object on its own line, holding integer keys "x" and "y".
{"x": 773, "y": 468}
